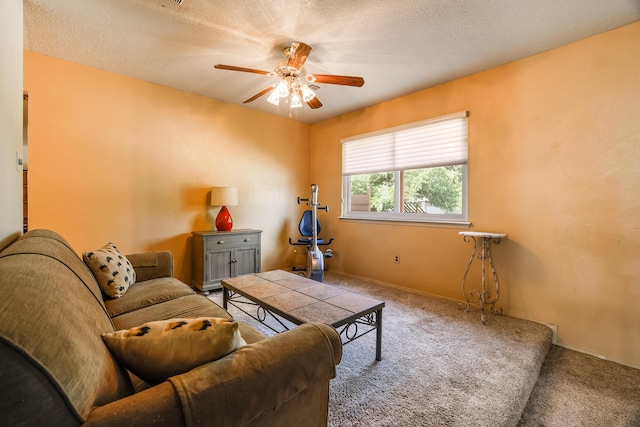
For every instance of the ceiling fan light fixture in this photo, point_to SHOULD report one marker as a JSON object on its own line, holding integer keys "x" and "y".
{"x": 307, "y": 93}
{"x": 274, "y": 98}
{"x": 295, "y": 101}
{"x": 294, "y": 85}
{"x": 282, "y": 90}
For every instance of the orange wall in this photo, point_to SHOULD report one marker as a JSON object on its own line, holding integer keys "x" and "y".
{"x": 554, "y": 149}
{"x": 113, "y": 158}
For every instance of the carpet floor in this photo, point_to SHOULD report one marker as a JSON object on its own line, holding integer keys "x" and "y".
{"x": 442, "y": 367}
{"x": 576, "y": 389}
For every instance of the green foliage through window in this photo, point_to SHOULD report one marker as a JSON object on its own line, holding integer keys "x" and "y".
{"x": 428, "y": 190}
{"x": 438, "y": 187}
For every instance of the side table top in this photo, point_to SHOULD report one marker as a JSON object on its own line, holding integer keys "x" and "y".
{"x": 483, "y": 234}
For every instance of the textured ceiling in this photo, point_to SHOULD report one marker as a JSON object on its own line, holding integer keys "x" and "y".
{"x": 398, "y": 46}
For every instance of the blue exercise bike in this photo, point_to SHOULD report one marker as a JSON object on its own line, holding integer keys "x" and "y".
{"x": 309, "y": 229}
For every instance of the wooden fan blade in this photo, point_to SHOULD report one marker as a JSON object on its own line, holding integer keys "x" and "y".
{"x": 314, "y": 103}
{"x": 245, "y": 70}
{"x": 336, "y": 80}
{"x": 298, "y": 54}
{"x": 259, "y": 94}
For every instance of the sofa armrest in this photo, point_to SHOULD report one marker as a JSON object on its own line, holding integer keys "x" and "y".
{"x": 158, "y": 406}
{"x": 152, "y": 265}
{"x": 284, "y": 377}
{"x": 248, "y": 386}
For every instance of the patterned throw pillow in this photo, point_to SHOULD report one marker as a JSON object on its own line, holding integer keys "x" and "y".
{"x": 112, "y": 270}
{"x": 158, "y": 350}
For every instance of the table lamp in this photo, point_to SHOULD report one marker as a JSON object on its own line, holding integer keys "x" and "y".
{"x": 224, "y": 196}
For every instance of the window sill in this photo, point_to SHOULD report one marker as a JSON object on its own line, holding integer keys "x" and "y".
{"x": 409, "y": 222}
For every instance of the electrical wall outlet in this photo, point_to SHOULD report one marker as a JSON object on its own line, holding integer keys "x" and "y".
{"x": 397, "y": 259}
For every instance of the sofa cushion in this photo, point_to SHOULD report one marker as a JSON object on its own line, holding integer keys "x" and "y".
{"x": 51, "y": 244}
{"x": 158, "y": 350}
{"x": 112, "y": 270}
{"x": 148, "y": 293}
{"x": 189, "y": 306}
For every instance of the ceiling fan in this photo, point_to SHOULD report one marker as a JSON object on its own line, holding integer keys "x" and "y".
{"x": 295, "y": 83}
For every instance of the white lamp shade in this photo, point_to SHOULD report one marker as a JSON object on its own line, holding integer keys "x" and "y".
{"x": 224, "y": 196}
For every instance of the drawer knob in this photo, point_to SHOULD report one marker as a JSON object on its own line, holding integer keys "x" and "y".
{"x": 247, "y": 240}
{"x": 220, "y": 242}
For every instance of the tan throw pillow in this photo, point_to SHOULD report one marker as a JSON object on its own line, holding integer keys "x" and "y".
{"x": 112, "y": 270}
{"x": 158, "y": 350}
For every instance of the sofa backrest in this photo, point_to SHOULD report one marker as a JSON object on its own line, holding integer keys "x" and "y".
{"x": 54, "y": 366}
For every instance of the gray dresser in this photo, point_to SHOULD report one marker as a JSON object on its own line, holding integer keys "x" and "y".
{"x": 219, "y": 255}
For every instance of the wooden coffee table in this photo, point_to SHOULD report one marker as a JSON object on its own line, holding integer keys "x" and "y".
{"x": 300, "y": 300}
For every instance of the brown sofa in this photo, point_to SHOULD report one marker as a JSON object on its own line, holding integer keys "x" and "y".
{"x": 56, "y": 370}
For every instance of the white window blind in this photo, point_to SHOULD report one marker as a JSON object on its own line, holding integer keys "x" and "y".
{"x": 441, "y": 141}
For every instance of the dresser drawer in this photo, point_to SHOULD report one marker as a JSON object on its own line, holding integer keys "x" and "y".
{"x": 231, "y": 241}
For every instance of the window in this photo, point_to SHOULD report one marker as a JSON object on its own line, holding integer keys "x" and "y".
{"x": 416, "y": 172}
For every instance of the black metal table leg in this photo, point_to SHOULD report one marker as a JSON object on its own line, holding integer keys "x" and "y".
{"x": 379, "y": 335}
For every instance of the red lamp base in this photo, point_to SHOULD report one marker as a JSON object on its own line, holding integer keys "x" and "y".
{"x": 224, "y": 222}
